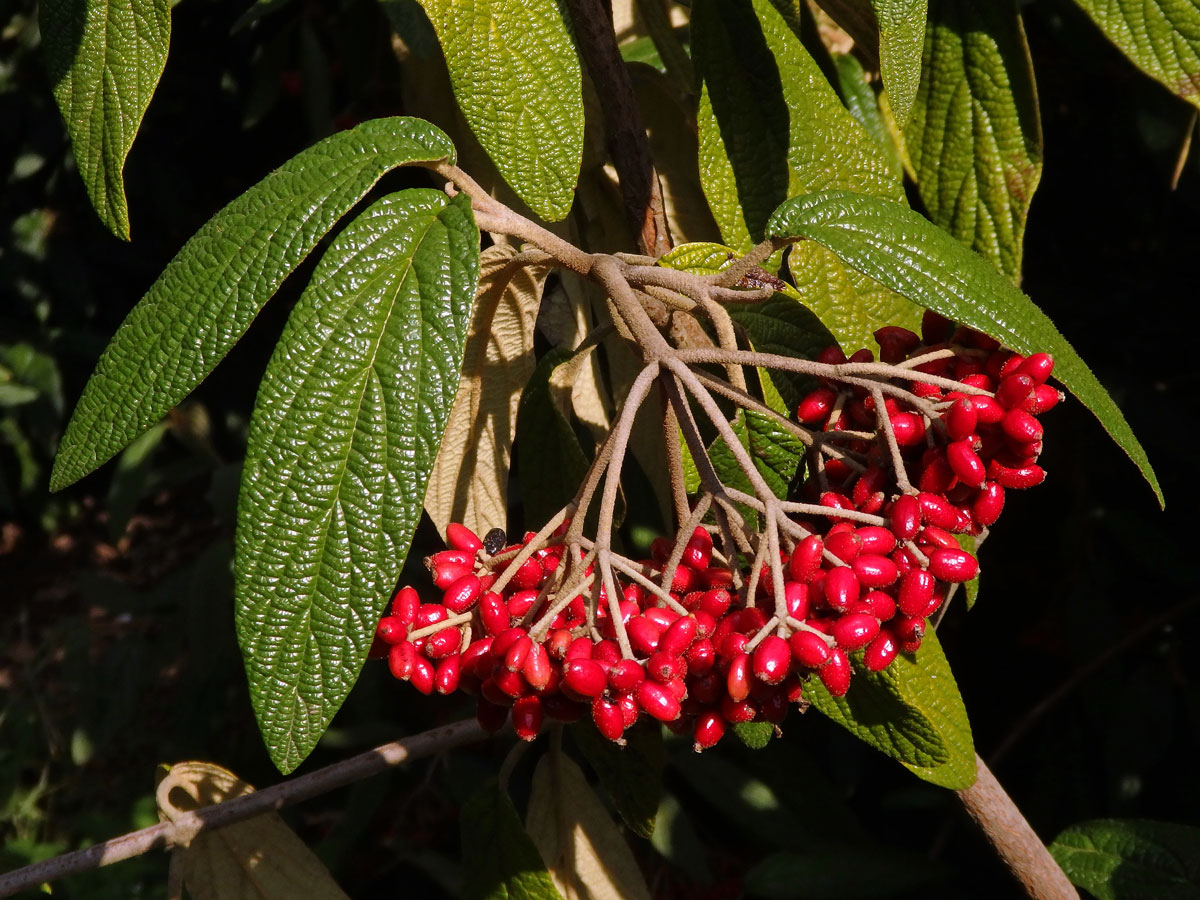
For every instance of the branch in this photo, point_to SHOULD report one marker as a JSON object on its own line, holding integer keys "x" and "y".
{"x": 1013, "y": 838}
{"x": 627, "y": 142}
{"x": 187, "y": 826}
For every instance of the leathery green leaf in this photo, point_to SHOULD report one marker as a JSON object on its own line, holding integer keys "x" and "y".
{"x": 910, "y": 255}
{"x": 912, "y": 711}
{"x": 104, "y": 62}
{"x": 975, "y": 138}
{"x": 208, "y": 295}
{"x": 788, "y": 134}
{"x": 1160, "y": 37}
{"x": 901, "y": 34}
{"x": 1131, "y": 859}
{"x": 500, "y": 860}
{"x": 517, "y": 79}
{"x": 346, "y": 428}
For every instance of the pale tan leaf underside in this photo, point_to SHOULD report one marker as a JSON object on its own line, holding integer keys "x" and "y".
{"x": 259, "y": 859}
{"x": 469, "y": 482}
{"x": 579, "y": 842}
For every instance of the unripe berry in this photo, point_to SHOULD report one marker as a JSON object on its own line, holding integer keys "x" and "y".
{"x": 527, "y": 717}
{"x": 854, "y": 631}
{"x": 881, "y": 651}
{"x": 658, "y": 701}
{"x": 460, "y": 537}
{"x": 698, "y": 551}
{"x": 528, "y": 576}
{"x": 954, "y": 566}
{"x": 630, "y": 708}
{"x": 835, "y": 674}
{"x": 509, "y": 683}
{"x": 477, "y": 659}
{"x": 808, "y": 649}
{"x": 936, "y": 476}
{"x": 710, "y": 728}
{"x": 908, "y": 628}
{"x": 772, "y": 659}
{"x": 520, "y": 602}
{"x": 716, "y": 602}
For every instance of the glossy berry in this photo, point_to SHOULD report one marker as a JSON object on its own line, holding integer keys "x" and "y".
{"x": 809, "y": 650}
{"x": 835, "y": 674}
{"x": 771, "y": 660}
{"x": 710, "y": 728}
{"x": 527, "y": 717}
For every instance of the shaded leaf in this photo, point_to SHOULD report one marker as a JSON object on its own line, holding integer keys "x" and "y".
{"x": 469, "y": 482}
{"x": 208, "y": 295}
{"x": 632, "y": 775}
{"x": 104, "y": 62}
{"x": 755, "y": 735}
{"x": 901, "y": 36}
{"x": 844, "y": 871}
{"x": 258, "y": 859}
{"x": 1160, "y": 37}
{"x": 499, "y": 859}
{"x": 907, "y": 253}
{"x": 862, "y": 103}
{"x": 346, "y": 428}
{"x": 676, "y": 839}
{"x": 1131, "y": 859}
{"x": 749, "y": 804}
{"x": 911, "y": 711}
{"x": 586, "y": 855}
{"x": 546, "y": 445}
{"x": 975, "y": 138}
{"x": 971, "y": 588}
{"x": 517, "y": 79}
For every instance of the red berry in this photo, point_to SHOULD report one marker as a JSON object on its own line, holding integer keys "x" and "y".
{"x": 954, "y": 566}
{"x": 961, "y": 419}
{"x": 841, "y": 587}
{"x": 585, "y": 677}
{"x": 806, "y": 559}
{"x": 772, "y": 659}
{"x": 895, "y": 343}
{"x": 909, "y": 429}
{"x": 665, "y": 667}
{"x": 537, "y": 669}
{"x": 736, "y": 711}
{"x": 448, "y": 566}
{"x": 490, "y": 716}
{"x": 460, "y": 537}
{"x": 845, "y": 545}
{"x": 1021, "y": 426}
{"x": 658, "y": 701}
{"x": 644, "y": 635}
{"x": 882, "y": 606}
{"x": 908, "y": 628}
{"x": 625, "y": 675}
{"x": 493, "y": 613}
{"x": 1026, "y": 476}
{"x": 527, "y": 717}
{"x": 442, "y": 643}
{"x": 517, "y": 653}
{"x": 710, "y": 728}
{"x": 809, "y": 650}
{"x": 462, "y": 594}
{"x": 1043, "y": 398}
{"x": 447, "y": 674}
{"x": 965, "y": 463}
{"x": 700, "y": 657}
{"x": 881, "y": 651}
{"x": 854, "y": 631}
{"x": 529, "y": 575}
{"x": 422, "y": 675}
{"x": 835, "y": 674}
{"x": 988, "y": 411}
{"x": 477, "y": 659}
{"x": 989, "y": 503}
{"x": 906, "y": 517}
{"x": 877, "y": 540}
{"x": 609, "y": 719}
{"x": 391, "y": 630}
{"x": 1038, "y": 367}
{"x": 875, "y": 571}
{"x": 795, "y": 596}
{"x": 737, "y": 680}
{"x": 916, "y": 588}
{"x": 678, "y": 636}
{"x": 405, "y": 605}
{"x": 400, "y": 660}
{"x": 1014, "y": 390}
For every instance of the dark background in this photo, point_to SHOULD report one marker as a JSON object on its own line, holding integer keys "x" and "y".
{"x": 117, "y": 646}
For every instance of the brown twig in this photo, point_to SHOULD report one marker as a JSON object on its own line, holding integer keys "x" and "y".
{"x": 163, "y": 836}
{"x": 627, "y": 141}
{"x": 1013, "y": 839}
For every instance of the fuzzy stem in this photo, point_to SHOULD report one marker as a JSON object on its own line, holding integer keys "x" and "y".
{"x": 1013, "y": 839}
{"x": 169, "y": 834}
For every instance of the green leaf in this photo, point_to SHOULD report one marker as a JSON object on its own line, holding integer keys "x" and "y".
{"x": 346, "y": 428}
{"x": 901, "y": 35}
{"x": 862, "y": 103}
{"x": 632, "y": 775}
{"x": 499, "y": 859}
{"x": 1160, "y": 37}
{"x": 975, "y": 137}
{"x": 1131, "y": 859}
{"x": 841, "y": 871}
{"x": 547, "y": 445}
{"x": 971, "y": 588}
{"x": 771, "y": 127}
{"x": 104, "y": 61}
{"x": 208, "y": 295}
{"x": 911, "y": 711}
{"x": 908, "y": 254}
{"x": 517, "y": 79}
{"x": 755, "y": 735}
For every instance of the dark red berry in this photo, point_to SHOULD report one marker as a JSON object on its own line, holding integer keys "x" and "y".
{"x": 527, "y": 717}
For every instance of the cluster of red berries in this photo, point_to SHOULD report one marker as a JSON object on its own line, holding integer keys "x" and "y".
{"x": 709, "y": 658}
